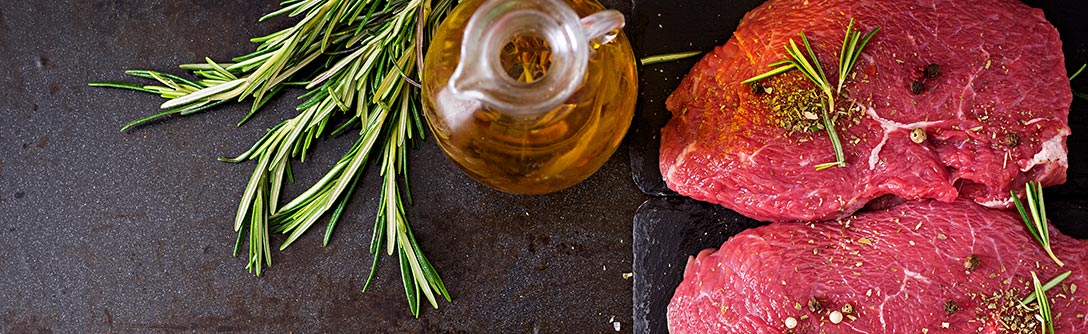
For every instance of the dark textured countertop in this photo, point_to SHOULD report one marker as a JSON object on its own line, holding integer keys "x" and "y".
{"x": 108, "y": 232}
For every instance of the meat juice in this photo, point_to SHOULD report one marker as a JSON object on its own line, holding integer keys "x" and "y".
{"x": 545, "y": 127}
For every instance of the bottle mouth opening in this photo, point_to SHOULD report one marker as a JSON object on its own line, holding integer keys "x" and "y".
{"x": 526, "y": 58}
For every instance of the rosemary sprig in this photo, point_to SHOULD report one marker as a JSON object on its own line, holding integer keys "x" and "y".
{"x": 174, "y": 87}
{"x": 1053, "y": 282}
{"x": 1036, "y": 222}
{"x": 809, "y": 65}
{"x": 1045, "y": 317}
{"x": 852, "y": 45}
{"x": 362, "y": 53}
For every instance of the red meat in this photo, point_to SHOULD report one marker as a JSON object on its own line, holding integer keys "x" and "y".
{"x": 898, "y": 269}
{"x": 996, "y": 115}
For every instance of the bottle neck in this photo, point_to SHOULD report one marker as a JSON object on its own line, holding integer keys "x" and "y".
{"x": 481, "y": 74}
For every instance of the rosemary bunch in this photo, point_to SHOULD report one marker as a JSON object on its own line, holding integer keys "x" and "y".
{"x": 356, "y": 59}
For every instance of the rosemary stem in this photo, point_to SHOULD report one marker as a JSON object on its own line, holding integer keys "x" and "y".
{"x": 829, "y": 124}
{"x": 1050, "y": 252}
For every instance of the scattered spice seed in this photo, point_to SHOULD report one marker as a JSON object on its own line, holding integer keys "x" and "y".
{"x": 918, "y": 135}
{"x": 847, "y": 308}
{"x": 932, "y": 71}
{"x": 971, "y": 262}
{"x": 835, "y": 317}
{"x": 757, "y": 88}
{"x": 814, "y": 305}
{"x": 1012, "y": 139}
{"x": 917, "y": 87}
{"x": 950, "y": 307}
{"x": 791, "y": 323}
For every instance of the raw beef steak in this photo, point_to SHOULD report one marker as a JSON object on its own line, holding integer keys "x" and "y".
{"x": 993, "y": 110}
{"x": 902, "y": 270}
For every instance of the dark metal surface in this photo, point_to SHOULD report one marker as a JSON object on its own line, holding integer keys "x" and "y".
{"x": 107, "y": 232}
{"x": 667, "y": 230}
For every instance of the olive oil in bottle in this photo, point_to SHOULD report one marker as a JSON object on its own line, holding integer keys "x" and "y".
{"x": 529, "y": 96}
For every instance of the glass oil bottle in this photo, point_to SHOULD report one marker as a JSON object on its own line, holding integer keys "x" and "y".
{"x": 529, "y": 96}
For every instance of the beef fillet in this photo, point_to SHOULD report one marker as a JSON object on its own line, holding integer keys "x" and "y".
{"x": 949, "y": 99}
{"x": 920, "y": 267}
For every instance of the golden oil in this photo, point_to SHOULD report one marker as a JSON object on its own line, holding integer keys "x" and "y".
{"x": 506, "y": 142}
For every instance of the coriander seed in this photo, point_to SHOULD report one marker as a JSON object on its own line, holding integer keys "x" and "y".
{"x": 971, "y": 262}
{"x": 918, "y": 135}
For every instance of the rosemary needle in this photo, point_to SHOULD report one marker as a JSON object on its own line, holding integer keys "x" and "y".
{"x": 1045, "y": 317}
{"x": 1053, "y": 282}
{"x": 356, "y": 58}
{"x": 1076, "y": 93}
{"x": 664, "y": 58}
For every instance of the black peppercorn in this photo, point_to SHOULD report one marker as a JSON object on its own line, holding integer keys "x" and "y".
{"x": 951, "y": 307}
{"x": 757, "y": 88}
{"x": 814, "y": 305}
{"x": 932, "y": 71}
{"x": 917, "y": 87}
{"x": 1012, "y": 139}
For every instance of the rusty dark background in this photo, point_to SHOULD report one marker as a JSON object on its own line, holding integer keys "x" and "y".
{"x": 108, "y": 232}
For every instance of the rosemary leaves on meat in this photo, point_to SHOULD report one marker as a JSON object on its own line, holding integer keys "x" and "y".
{"x": 1034, "y": 216}
{"x": 805, "y": 61}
